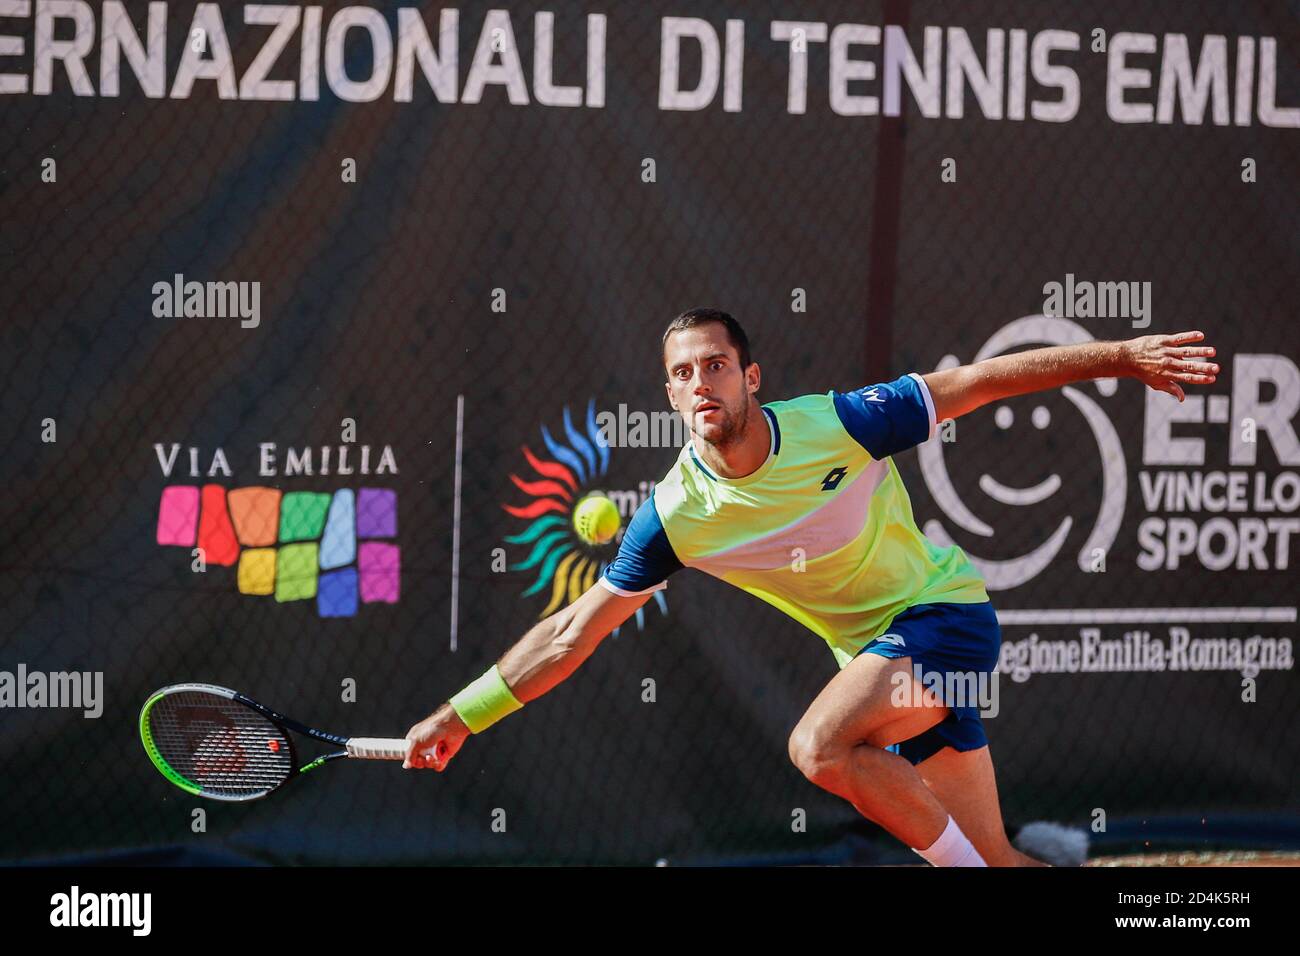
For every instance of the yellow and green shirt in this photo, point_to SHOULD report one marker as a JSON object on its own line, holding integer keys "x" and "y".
{"x": 822, "y": 530}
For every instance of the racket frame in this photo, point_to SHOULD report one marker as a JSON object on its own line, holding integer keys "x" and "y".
{"x": 281, "y": 721}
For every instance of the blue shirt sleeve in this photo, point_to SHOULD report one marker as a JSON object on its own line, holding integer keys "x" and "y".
{"x": 888, "y": 418}
{"x": 645, "y": 558}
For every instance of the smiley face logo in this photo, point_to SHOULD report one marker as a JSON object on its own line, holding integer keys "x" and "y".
{"x": 1002, "y": 574}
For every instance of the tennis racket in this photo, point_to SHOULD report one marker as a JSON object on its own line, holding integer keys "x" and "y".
{"x": 217, "y": 743}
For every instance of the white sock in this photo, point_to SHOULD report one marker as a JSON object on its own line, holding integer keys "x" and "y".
{"x": 951, "y": 849}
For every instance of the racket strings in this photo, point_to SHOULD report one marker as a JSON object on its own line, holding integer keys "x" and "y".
{"x": 220, "y": 745}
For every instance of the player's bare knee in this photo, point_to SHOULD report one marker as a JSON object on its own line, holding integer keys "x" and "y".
{"x": 818, "y": 759}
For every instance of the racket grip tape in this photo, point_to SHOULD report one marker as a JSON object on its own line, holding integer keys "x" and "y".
{"x": 377, "y": 748}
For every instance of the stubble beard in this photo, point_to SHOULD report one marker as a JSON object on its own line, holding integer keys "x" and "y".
{"x": 733, "y": 429}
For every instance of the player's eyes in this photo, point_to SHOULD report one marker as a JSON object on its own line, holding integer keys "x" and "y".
{"x": 685, "y": 373}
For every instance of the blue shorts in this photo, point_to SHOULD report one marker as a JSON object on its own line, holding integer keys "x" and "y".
{"x": 945, "y": 639}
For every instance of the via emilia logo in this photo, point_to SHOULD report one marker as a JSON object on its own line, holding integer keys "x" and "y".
{"x": 338, "y": 548}
{"x": 560, "y": 563}
{"x": 1008, "y": 573}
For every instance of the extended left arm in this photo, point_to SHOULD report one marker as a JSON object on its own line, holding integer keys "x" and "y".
{"x": 1160, "y": 361}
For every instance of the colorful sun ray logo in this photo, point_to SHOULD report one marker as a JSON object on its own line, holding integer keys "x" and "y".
{"x": 562, "y": 561}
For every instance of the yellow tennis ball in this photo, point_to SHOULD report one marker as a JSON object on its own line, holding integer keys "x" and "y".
{"x": 596, "y": 519}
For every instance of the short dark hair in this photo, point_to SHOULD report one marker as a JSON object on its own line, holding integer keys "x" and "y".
{"x": 696, "y": 317}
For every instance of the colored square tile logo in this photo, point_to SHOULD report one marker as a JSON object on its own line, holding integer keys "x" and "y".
{"x": 380, "y": 566}
{"x": 337, "y": 596}
{"x": 376, "y": 513}
{"x": 295, "y": 546}
{"x": 256, "y": 574}
{"x": 216, "y": 534}
{"x": 295, "y": 572}
{"x": 302, "y": 515}
{"x": 256, "y": 515}
{"x": 338, "y": 545}
{"x": 178, "y": 516}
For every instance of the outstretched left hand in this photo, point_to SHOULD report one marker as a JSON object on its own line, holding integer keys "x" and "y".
{"x": 1162, "y": 361}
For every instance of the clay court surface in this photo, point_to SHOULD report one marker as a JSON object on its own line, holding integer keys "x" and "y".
{"x": 1198, "y": 858}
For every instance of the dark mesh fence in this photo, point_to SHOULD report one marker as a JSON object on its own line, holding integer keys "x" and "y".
{"x": 509, "y": 265}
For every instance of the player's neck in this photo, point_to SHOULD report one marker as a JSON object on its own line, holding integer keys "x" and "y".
{"x": 742, "y": 458}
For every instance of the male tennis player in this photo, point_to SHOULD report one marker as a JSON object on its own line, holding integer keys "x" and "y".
{"x": 799, "y": 503}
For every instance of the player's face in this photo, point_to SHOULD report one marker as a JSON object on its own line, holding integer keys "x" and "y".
{"x": 706, "y": 384}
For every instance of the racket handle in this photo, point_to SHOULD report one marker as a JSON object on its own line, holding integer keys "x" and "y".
{"x": 377, "y": 748}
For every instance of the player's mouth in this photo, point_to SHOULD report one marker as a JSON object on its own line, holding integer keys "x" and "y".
{"x": 708, "y": 407}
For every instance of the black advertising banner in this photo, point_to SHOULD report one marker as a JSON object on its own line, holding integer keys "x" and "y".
{"x": 319, "y": 319}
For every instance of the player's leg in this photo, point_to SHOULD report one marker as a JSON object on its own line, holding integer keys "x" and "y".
{"x": 839, "y": 744}
{"x": 878, "y": 700}
{"x": 964, "y": 782}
